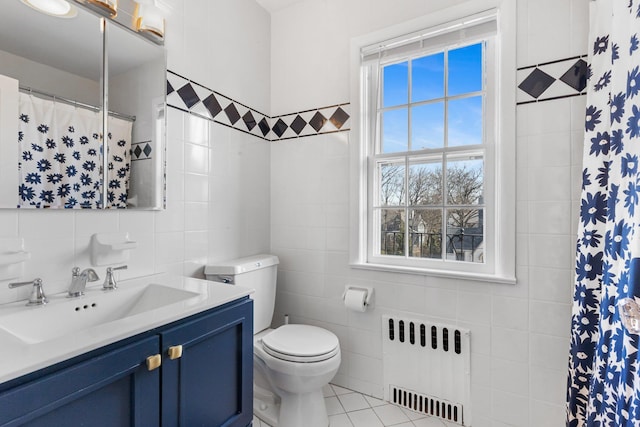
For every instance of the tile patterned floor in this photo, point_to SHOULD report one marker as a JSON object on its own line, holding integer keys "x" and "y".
{"x": 347, "y": 408}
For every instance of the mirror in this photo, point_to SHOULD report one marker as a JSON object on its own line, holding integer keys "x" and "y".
{"x": 51, "y": 68}
{"x": 49, "y": 58}
{"x": 136, "y": 90}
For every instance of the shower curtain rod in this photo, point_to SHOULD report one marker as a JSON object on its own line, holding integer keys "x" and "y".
{"x": 74, "y": 103}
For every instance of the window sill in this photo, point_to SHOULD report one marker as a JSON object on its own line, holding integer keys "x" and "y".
{"x": 477, "y": 277}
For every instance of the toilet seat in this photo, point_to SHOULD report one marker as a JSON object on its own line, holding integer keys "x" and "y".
{"x": 301, "y": 343}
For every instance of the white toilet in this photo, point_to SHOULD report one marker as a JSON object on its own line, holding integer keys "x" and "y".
{"x": 291, "y": 364}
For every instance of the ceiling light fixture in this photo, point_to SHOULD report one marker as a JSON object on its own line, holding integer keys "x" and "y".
{"x": 148, "y": 19}
{"x": 57, "y": 8}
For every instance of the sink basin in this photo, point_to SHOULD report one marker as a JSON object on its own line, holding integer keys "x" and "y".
{"x": 68, "y": 316}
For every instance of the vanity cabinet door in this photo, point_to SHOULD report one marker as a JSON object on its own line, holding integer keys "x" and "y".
{"x": 112, "y": 389}
{"x": 210, "y": 383}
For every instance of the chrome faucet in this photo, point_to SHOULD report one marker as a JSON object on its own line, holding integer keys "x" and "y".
{"x": 37, "y": 293}
{"x": 110, "y": 281}
{"x": 79, "y": 280}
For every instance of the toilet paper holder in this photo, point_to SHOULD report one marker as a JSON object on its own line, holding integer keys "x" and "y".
{"x": 368, "y": 289}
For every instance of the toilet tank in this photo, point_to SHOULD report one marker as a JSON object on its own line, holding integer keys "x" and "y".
{"x": 258, "y": 272}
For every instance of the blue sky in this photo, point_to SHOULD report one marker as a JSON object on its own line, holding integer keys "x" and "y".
{"x": 428, "y": 81}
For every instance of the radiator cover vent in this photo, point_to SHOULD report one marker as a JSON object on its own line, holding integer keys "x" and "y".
{"x": 427, "y": 405}
{"x": 427, "y": 367}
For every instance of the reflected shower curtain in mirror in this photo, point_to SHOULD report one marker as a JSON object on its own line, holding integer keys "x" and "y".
{"x": 119, "y": 162}
{"x": 603, "y": 381}
{"x": 59, "y": 164}
{"x": 60, "y": 156}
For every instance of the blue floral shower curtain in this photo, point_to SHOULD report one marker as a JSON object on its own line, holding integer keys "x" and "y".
{"x": 603, "y": 382}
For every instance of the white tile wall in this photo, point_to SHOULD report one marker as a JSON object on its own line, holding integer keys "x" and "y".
{"x": 519, "y": 333}
{"x": 509, "y": 344}
{"x": 224, "y": 45}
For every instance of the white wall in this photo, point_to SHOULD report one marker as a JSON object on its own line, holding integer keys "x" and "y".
{"x": 44, "y": 78}
{"x": 233, "y": 53}
{"x": 216, "y": 177}
{"x": 519, "y": 332}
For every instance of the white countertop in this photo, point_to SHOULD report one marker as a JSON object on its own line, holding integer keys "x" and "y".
{"x": 18, "y": 357}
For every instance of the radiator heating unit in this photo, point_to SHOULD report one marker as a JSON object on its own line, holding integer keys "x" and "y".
{"x": 427, "y": 368}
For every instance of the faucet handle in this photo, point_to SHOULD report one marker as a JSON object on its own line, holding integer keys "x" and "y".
{"x": 75, "y": 271}
{"x": 37, "y": 296}
{"x": 110, "y": 280}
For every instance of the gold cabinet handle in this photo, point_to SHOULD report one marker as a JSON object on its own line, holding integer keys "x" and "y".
{"x": 154, "y": 362}
{"x": 175, "y": 352}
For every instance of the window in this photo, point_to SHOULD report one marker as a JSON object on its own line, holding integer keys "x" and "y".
{"x": 431, "y": 160}
{"x": 428, "y": 159}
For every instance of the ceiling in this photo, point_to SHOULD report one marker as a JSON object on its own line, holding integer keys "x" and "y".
{"x": 65, "y": 44}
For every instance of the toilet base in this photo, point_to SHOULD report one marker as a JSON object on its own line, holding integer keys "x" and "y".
{"x": 266, "y": 405}
{"x": 292, "y": 410}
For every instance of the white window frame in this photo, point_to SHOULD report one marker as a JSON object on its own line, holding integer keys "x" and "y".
{"x": 499, "y": 140}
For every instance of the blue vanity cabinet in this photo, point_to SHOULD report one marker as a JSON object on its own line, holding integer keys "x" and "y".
{"x": 112, "y": 389}
{"x": 210, "y": 383}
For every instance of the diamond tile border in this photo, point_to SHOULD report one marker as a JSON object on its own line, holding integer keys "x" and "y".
{"x": 335, "y": 118}
{"x": 552, "y": 80}
{"x": 141, "y": 151}
{"x": 191, "y": 97}
{"x": 547, "y": 81}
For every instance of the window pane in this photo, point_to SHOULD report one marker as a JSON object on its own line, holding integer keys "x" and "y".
{"x": 465, "y": 122}
{"x": 465, "y": 235}
{"x": 425, "y": 182}
{"x": 427, "y": 77}
{"x": 395, "y": 80}
{"x": 465, "y": 180}
{"x": 391, "y": 184}
{"x": 425, "y": 233}
{"x": 395, "y": 131}
{"x": 392, "y": 225}
{"x": 427, "y": 126}
{"x": 465, "y": 70}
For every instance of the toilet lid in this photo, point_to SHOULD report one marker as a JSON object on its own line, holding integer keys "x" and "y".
{"x": 301, "y": 343}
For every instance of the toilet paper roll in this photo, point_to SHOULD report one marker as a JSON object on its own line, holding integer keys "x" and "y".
{"x": 354, "y": 299}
